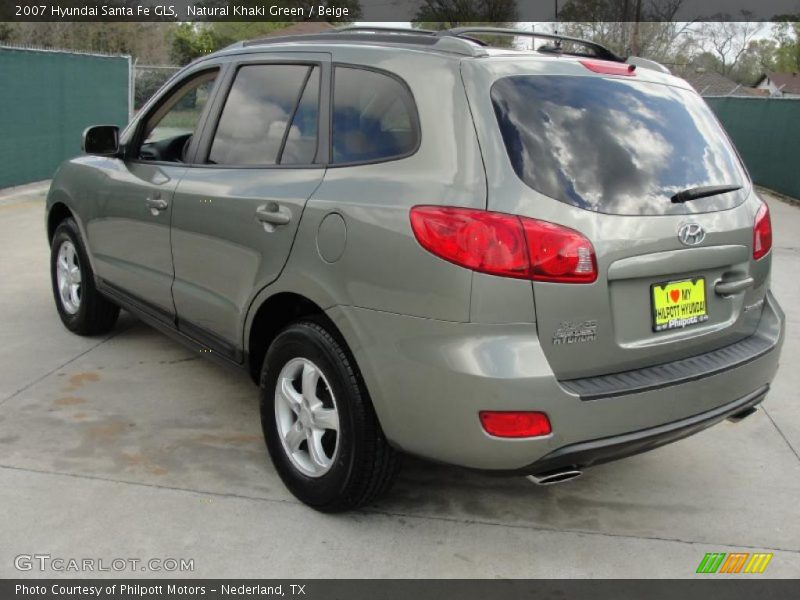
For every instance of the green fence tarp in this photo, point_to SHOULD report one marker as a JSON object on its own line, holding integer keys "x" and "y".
{"x": 47, "y": 99}
{"x": 767, "y": 133}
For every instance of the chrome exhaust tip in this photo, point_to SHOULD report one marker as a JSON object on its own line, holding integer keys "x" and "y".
{"x": 741, "y": 415}
{"x": 554, "y": 477}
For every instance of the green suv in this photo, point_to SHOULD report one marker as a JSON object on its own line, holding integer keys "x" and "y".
{"x": 519, "y": 261}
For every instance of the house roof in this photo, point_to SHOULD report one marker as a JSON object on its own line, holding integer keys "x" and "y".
{"x": 711, "y": 83}
{"x": 788, "y": 83}
{"x": 302, "y": 28}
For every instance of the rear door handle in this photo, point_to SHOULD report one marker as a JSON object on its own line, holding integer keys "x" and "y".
{"x": 156, "y": 204}
{"x": 273, "y": 214}
{"x": 727, "y": 288}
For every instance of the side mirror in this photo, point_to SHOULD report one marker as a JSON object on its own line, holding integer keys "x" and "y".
{"x": 101, "y": 139}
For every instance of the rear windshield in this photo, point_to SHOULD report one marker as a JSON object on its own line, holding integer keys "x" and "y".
{"x": 614, "y": 146}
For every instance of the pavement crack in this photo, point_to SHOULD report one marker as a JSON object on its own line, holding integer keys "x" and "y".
{"x": 401, "y": 514}
{"x": 61, "y": 366}
{"x": 653, "y": 538}
{"x": 780, "y": 432}
{"x": 157, "y": 486}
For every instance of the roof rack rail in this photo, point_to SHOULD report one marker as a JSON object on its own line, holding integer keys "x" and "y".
{"x": 380, "y": 29}
{"x": 423, "y": 39}
{"x": 459, "y": 40}
{"x": 599, "y": 51}
{"x": 384, "y": 35}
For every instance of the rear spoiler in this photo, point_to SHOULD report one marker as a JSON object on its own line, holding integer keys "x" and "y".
{"x": 646, "y": 63}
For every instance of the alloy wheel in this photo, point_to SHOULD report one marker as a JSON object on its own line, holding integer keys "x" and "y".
{"x": 307, "y": 418}
{"x": 68, "y": 277}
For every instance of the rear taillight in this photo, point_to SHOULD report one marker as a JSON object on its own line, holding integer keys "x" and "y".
{"x": 505, "y": 245}
{"x": 475, "y": 239}
{"x": 762, "y": 233}
{"x": 558, "y": 253}
{"x": 515, "y": 424}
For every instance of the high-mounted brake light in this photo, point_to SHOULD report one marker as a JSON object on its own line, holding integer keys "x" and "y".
{"x": 606, "y": 67}
{"x": 762, "y": 233}
{"x": 505, "y": 245}
{"x": 515, "y": 424}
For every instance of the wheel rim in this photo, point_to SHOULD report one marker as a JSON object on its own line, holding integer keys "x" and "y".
{"x": 307, "y": 417}
{"x": 68, "y": 277}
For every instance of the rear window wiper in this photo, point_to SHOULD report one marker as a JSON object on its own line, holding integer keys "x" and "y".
{"x": 703, "y": 192}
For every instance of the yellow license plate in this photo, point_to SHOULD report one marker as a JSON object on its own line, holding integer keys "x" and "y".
{"x": 678, "y": 304}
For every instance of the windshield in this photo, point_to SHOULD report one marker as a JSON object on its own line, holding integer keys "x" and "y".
{"x": 612, "y": 146}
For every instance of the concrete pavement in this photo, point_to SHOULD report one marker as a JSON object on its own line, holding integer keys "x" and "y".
{"x": 130, "y": 446}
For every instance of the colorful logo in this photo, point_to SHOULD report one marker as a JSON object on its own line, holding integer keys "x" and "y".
{"x": 734, "y": 562}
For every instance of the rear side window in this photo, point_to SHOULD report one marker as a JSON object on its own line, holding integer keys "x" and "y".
{"x": 615, "y": 146}
{"x": 374, "y": 117}
{"x": 263, "y": 111}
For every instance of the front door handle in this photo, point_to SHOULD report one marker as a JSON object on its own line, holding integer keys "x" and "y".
{"x": 156, "y": 204}
{"x": 273, "y": 214}
{"x": 728, "y": 288}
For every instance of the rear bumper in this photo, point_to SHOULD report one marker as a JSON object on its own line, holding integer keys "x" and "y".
{"x": 428, "y": 380}
{"x": 595, "y": 452}
{"x": 679, "y": 371}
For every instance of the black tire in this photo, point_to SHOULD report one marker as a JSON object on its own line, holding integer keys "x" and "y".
{"x": 365, "y": 465}
{"x": 95, "y": 314}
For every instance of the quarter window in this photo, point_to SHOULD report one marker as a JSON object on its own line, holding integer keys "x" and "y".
{"x": 374, "y": 117}
{"x": 256, "y": 118}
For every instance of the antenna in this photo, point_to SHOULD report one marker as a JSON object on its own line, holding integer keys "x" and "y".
{"x": 555, "y": 19}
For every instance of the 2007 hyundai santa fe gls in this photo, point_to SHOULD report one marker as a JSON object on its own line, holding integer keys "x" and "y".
{"x": 525, "y": 262}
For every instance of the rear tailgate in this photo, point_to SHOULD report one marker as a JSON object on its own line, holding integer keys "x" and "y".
{"x": 604, "y": 155}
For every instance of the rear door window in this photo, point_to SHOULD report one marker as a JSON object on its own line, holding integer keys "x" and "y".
{"x": 261, "y": 114}
{"x": 374, "y": 117}
{"x": 613, "y": 146}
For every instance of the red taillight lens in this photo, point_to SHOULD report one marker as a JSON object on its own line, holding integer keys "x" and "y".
{"x": 476, "y": 239}
{"x": 559, "y": 254}
{"x": 515, "y": 424}
{"x": 762, "y": 233}
{"x": 607, "y": 67}
{"x": 505, "y": 245}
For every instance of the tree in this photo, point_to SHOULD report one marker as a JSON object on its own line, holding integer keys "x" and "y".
{"x": 145, "y": 42}
{"x": 730, "y": 40}
{"x": 787, "y": 40}
{"x": 664, "y": 42}
{"x": 628, "y": 27}
{"x": 756, "y": 60}
{"x": 447, "y": 14}
{"x": 6, "y": 32}
{"x": 705, "y": 61}
{"x": 188, "y": 41}
{"x": 444, "y": 14}
{"x": 191, "y": 40}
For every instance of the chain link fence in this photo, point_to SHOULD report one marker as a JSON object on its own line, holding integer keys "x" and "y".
{"x": 147, "y": 80}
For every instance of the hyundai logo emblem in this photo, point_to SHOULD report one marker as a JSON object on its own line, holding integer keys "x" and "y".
{"x": 691, "y": 234}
